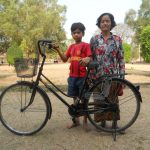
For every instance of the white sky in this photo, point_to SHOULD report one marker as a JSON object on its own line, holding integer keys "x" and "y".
{"x": 87, "y": 12}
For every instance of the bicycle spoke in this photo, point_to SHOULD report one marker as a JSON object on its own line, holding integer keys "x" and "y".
{"x": 28, "y": 121}
{"x": 126, "y": 112}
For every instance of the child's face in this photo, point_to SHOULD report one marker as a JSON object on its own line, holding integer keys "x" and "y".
{"x": 77, "y": 35}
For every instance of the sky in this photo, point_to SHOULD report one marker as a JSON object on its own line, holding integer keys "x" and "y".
{"x": 87, "y": 12}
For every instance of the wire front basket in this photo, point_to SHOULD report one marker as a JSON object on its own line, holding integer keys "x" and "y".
{"x": 26, "y": 67}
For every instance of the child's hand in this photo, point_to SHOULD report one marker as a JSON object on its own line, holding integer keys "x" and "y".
{"x": 55, "y": 46}
{"x": 84, "y": 61}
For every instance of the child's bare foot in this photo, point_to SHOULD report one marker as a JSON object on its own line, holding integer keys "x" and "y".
{"x": 73, "y": 125}
{"x": 86, "y": 127}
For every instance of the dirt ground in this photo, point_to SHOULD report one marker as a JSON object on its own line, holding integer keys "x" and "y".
{"x": 55, "y": 135}
{"x": 58, "y": 73}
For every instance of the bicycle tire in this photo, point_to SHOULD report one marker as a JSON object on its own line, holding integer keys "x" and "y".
{"x": 30, "y": 121}
{"x": 128, "y": 108}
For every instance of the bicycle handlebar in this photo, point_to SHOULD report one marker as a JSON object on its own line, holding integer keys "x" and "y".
{"x": 44, "y": 43}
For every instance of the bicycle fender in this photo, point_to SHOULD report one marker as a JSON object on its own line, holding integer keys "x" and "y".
{"x": 138, "y": 91}
{"x": 140, "y": 97}
{"x": 44, "y": 94}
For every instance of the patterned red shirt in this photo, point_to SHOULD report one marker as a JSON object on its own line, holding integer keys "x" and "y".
{"x": 109, "y": 54}
{"x": 75, "y": 52}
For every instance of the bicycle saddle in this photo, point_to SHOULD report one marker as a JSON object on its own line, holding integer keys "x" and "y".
{"x": 93, "y": 64}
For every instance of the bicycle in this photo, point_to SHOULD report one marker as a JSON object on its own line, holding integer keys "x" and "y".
{"x": 25, "y": 107}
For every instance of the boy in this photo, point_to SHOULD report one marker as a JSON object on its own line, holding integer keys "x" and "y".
{"x": 79, "y": 54}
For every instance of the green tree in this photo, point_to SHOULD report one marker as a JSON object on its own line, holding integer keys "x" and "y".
{"x": 145, "y": 43}
{"x": 138, "y": 21}
{"x": 127, "y": 52}
{"x": 31, "y": 20}
{"x": 4, "y": 44}
{"x": 14, "y": 51}
{"x": 130, "y": 18}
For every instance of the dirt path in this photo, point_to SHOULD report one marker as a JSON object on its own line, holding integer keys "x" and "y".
{"x": 55, "y": 135}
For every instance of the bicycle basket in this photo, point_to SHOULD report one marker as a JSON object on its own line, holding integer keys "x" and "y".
{"x": 26, "y": 67}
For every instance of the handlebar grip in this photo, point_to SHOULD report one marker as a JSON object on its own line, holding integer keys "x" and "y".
{"x": 44, "y": 43}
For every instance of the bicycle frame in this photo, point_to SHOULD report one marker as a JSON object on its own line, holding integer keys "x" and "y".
{"x": 40, "y": 77}
{"x": 72, "y": 108}
{"x": 100, "y": 103}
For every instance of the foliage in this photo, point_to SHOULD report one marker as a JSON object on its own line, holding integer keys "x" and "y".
{"x": 4, "y": 44}
{"x": 27, "y": 21}
{"x": 138, "y": 21}
{"x": 127, "y": 52}
{"x": 13, "y": 52}
{"x": 145, "y": 43}
{"x": 130, "y": 18}
{"x": 53, "y": 54}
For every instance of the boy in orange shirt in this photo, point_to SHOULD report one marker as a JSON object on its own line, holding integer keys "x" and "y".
{"x": 79, "y": 54}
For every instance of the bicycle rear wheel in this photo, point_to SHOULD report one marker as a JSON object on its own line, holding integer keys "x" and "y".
{"x": 26, "y": 122}
{"x": 127, "y": 110}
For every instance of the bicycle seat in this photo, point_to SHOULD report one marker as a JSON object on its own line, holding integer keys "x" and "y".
{"x": 93, "y": 64}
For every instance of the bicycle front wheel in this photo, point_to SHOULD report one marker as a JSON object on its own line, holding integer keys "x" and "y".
{"x": 127, "y": 101}
{"x": 26, "y": 122}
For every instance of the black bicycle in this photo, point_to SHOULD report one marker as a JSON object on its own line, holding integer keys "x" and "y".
{"x": 25, "y": 106}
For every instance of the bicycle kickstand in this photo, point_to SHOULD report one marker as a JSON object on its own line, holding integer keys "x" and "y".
{"x": 74, "y": 120}
{"x": 114, "y": 126}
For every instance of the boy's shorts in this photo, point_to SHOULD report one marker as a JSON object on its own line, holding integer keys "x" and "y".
{"x": 75, "y": 85}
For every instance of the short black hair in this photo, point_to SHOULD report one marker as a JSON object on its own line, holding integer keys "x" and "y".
{"x": 113, "y": 23}
{"x": 78, "y": 25}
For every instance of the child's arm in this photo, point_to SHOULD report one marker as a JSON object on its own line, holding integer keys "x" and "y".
{"x": 63, "y": 57}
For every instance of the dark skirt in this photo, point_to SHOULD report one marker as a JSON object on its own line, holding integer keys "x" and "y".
{"x": 112, "y": 97}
